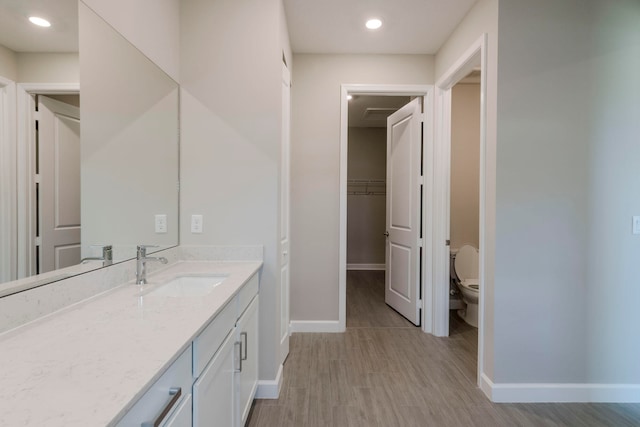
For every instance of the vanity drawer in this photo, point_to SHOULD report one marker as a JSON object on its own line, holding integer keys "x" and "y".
{"x": 211, "y": 338}
{"x": 246, "y": 294}
{"x": 162, "y": 394}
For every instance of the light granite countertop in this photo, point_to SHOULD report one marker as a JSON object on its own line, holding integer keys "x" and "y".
{"x": 87, "y": 364}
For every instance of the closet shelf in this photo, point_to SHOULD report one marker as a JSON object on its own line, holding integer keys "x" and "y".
{"x": 366, "y": 187}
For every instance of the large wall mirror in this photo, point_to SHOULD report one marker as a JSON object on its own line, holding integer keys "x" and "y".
{"x": 110, "y": 159}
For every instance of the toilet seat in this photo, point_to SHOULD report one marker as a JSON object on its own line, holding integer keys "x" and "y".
{"x": 466, "y": 265}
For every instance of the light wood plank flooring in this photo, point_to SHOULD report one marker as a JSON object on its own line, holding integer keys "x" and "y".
{"x": 385, "y": 372}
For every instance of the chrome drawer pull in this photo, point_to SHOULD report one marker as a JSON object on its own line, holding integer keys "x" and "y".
{"x": 236, "y": 344}
{"x": 176, "y": 393}
{"x": 245, "y": 345}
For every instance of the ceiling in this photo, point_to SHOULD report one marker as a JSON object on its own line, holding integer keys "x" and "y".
{"x": 369, "y": 111}
{"x": 315, "y": 26}
{"x": 337, "y": 26}
{"x": 19, "y": 35}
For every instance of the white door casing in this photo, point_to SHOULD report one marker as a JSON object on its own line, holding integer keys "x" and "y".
{"x": 474, "y": 56}
{"x": 404, "y": 186}
{"x": 59, "y": 184}
{"x": 285, "y": 178}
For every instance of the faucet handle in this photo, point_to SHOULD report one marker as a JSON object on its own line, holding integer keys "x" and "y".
{"x": 142, "y": 250}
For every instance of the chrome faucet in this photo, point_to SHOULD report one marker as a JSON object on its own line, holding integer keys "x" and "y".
{"x": 141, "y": 263}
{"x": 106, "y": 258}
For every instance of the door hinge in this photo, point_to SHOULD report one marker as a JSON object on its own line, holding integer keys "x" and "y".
{"x": 38, "y": 241}
{"x": 37, "y": 115}
{"x": 420, "y": 242}
{"x": 36, "y": 178}
{"x": 420, "y": 306}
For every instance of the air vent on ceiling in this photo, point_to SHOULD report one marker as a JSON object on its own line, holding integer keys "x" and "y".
{"x": 377, "y": 113}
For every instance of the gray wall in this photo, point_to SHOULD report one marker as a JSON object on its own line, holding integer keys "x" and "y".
{"x": 465, "y": 165}
{"x": 230, "y": 69}
{"x": 8, "y": 63}
{"x": 315, "y": 166}
{"x": 567, "y": 271}
{"x": 366, "y": 214}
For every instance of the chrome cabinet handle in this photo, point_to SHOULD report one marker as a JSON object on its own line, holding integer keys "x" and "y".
{"x": 246, "y": 345}
{"x": 236, "y": 344}
{"x": 176, "y": 392}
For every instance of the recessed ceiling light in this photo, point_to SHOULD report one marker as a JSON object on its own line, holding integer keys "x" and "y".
{"x": 349, "y": 97}
{"x": 41, "y": 22}
{"x": 374, "y": 24}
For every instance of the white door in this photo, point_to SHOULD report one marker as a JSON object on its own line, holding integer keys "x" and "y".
{"x": 404, "y": 153}
{"x": 59, "y": 184}
{"x": 284, "y": 213}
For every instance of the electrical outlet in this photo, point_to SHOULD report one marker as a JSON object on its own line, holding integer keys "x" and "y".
{"x": 161, "y": 223}
{"x": 636, "y": 225}
{"x": 196, "y": 223}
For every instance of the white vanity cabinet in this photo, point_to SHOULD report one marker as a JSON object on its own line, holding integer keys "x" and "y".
{"x": 227, "y": 373}
{"x": 217, "y": 376}
{"x": 168, "y": 402}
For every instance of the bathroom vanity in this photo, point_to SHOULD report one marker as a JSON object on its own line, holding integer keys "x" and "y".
{"x": 180, "y": 350}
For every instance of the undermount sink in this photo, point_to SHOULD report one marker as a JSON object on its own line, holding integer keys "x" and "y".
{"x": 189, "y": 286}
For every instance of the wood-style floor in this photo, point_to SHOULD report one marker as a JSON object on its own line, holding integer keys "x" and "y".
{"x": 385, "y": 372}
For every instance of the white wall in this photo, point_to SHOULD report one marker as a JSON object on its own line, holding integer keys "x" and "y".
{"x": 566, "y": 190}
{"x": 367, "y": 154}
{"x": 614, "y": 254}
{"x": 48, "y": 68}
{"x": 8, "y": 64}
{"x": 153, "y": 26}
{"x": 541, "y": 194}
{"x": 231, "y": 69}
{"x": 465, "y": 165}
{"x": 482, "y": 18}
{"x": 315, "y": 163}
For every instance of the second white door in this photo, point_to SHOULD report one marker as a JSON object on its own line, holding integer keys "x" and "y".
{"x": 404, "y": 186}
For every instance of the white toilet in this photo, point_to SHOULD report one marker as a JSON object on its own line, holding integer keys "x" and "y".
{"x": 466, "y": 266}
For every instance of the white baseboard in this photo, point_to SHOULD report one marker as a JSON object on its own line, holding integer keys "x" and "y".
{"x": 332, "y": 326}
{"x": 270, "y": 389}
{"x": 366, "y": 267}
{"x": 560, "y": 392}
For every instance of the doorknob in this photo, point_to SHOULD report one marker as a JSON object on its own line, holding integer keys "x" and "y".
{"x": 386, "y": 233}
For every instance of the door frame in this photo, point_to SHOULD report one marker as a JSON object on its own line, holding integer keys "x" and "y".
{"x": 8, "y": 192}
{"x": 476, "y": 53}
{"x": 25, "y": 161}
{"x": 425, "y": 91}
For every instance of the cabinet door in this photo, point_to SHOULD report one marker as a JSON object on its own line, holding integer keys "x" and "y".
{"x": 214, "y": 392}
{"x": 247, "y": 329}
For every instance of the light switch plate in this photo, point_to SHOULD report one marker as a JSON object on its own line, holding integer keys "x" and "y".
{"x": 636, "y": 225}
{"x": 161, "y": 223}
{"x": 196, "y": 223}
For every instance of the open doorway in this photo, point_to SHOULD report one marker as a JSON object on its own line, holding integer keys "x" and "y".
{"x": 464, "y": 212}
{"x": 471, "y": 63}
{"x": 366, "y": 211}
{"x": 406, "y": 125}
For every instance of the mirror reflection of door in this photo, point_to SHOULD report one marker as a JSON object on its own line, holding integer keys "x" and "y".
{"x": 57, "y": 183}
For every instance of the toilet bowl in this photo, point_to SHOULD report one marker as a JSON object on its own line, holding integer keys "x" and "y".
{"x": 466, "y": 266}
